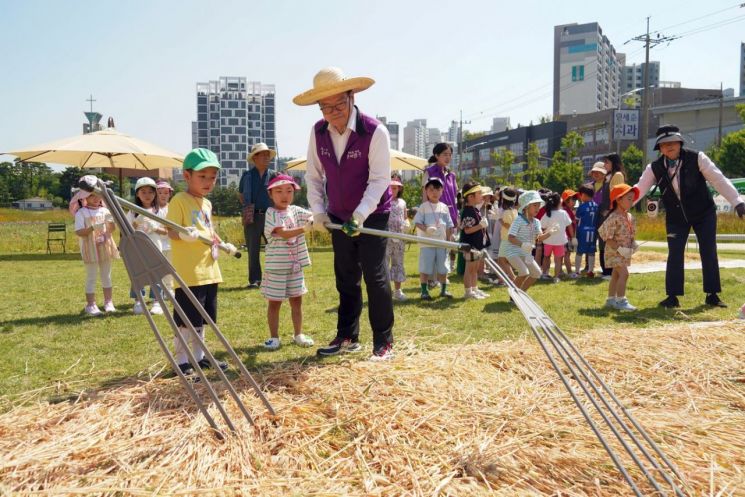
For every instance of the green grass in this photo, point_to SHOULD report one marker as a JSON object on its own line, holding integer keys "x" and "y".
{"x": 46, "y": 343}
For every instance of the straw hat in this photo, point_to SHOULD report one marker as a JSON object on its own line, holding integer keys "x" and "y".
{"x": 619, "y": 191}
{"x": 331, "y": 81}
{"x": 261, "y": 147}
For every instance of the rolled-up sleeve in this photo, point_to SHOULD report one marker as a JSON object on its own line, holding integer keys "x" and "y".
{"x": 379, "y": 160}
{"x": 315, "y": 178}
{"x": 719, "y": 181}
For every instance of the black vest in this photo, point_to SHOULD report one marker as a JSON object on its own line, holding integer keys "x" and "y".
{"x": 696, "y": 199}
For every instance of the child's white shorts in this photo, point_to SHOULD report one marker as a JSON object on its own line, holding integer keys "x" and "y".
{"x": 434, "y": 260}
{"x": 525, "y": 265}
{"x": 281, "y": 286}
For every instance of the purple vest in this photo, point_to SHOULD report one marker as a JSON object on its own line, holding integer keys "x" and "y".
{"x": 449, "y": 189}
{"x": 346, "y": 180}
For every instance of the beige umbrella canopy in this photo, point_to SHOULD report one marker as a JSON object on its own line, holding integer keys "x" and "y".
{"x": 399, "y": 161}
{"x": 104, "y": 149}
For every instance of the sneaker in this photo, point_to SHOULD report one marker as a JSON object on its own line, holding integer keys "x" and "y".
{"x": 109, "y": 307}
{"x": 205, "y": 363}
{"x": 399, "y": 295}
{"x": 557, "y": 280}
{"x": 186, "y": 369}
{"x": 481, "y": 293}
{"x": 138, "y": 309}
{"x": 304, "y": 340}
{"x": 573, "y": 276}
{"x": 446, "y": 294}
{"x": 93, "y": 310}
{"x": 670, "y": 302}
{"x": 254, "y": 284}
{"x": 610, "y": 303}
{"x": 383, "y": 353}
{"x": 272, "y": 344}
{"x": 545, "y": 277}
{"x": 713, "y": 300}
{"x": 156, "y": 309}
{"x": 425, "y": 296}
{"x": 590, "y": 274}
{"x": 339, "y": 346}
{"x": 606, "y": 277}
{"x": 622, "y": 304}
{"x": 473, "y": 295}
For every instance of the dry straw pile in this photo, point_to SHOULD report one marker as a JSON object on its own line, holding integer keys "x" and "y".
{"x": 484, "y": 419}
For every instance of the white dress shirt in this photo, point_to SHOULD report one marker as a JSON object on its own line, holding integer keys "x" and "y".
{"x": 708, "y": 169}
{"x": 379, "y": 159}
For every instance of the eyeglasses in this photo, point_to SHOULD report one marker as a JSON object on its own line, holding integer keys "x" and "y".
{"x": 328, "y": 109}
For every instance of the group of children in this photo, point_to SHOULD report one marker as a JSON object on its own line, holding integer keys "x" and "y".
{"x": 522, "y": 231}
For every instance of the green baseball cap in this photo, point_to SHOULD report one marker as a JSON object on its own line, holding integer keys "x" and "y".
{"x": 201, "y": 158}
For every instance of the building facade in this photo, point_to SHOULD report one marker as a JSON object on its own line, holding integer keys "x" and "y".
{"x": 500, "y": 124}
{"x": 393, "y": 131}
{"x": 478, "y": 154}
{"x": 742, "y": 69}
{"x": 415, "y": 138}
{"x": 632, "y": 77}
{"x": 586, "y": 70}
{"x": 233, "y": 114}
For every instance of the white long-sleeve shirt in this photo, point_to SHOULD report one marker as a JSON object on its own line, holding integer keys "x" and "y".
{"x": 708, "y": 169}
{"x": 379, "y": 159}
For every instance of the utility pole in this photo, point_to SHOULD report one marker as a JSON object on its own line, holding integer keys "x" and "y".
{"x": 721, "y": 111}
{"x": 648, "y": 42}
{"x": 460, "y": 145}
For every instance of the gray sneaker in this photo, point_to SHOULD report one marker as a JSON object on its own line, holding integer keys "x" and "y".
{"x": 623, "y": 305}
{"x": 610, "y": 303}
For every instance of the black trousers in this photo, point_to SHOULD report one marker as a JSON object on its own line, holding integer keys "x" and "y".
{"x": 354, "y": 258}
{"x": 677, "y": 237}
{"x": 253, "y": 233}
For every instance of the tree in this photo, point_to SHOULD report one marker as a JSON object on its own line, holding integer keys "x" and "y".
{"x": 533, "y": 176}
{"x": 566, "y": 169}
{"x": 472, "y": 135}
{"x": 225, "y": 200}
{"x": 571, "y": 144}
{"x": 632, "y": 162}
{"x": 67, "y": 180}
{"x": 730, "y": 157}
{"x": 504, "y": 159}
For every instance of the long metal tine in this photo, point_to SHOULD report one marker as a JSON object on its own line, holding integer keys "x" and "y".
{"x": 147, "y": 265}
{"x": 546, "y": 331}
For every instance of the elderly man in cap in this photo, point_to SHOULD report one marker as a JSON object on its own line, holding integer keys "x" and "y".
{"x": 348, "y": 176}
{"x": 253, "y": 196}
{"x": 681, "y": 175}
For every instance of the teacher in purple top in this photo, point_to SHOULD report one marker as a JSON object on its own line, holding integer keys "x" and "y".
{"x": 442, "y": 154}
{"x": 348, "y": 177}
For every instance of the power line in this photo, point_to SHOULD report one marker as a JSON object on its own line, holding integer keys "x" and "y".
{"x": 698, "y": 18}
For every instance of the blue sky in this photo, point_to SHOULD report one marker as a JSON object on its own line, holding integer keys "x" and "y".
{"x": 142, "y": 59}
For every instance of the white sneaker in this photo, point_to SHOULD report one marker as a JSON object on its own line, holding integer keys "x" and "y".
{"x": 138, "y": 309}
{"x": 606, "y": 277}
{"x": 481, "y": 293}
{"x": 399, "y": 295}
{"x": 304, "y": 340}
{"x": 156, "y": 309}
{"x": 109, "y": 307}
{"x": 470, "y": 295}
{"x": 93, "y": 310}
{"x": 272, "y": 344}
{"x": 622, "y": 304}
{"x": 610, "y": 303}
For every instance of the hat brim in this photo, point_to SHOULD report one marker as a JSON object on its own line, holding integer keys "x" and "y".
{"x": 631, "y": 189}
{"x": 667, "y": 139}
{"x": 272, "y": 154}
{"x": 312, "y": 96}
{"x": 203, "y": 165}
{"x": 294, "y": 185}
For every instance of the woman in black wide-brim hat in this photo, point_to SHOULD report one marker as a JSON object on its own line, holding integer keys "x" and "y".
{"x": 681, "y": 175}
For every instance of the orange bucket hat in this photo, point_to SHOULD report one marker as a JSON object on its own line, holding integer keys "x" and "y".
{"x": 619, "y": 191}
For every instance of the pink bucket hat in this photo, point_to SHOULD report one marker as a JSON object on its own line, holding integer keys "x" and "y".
{"x": 163, "y": 184}
{"x": 282, "y": 179}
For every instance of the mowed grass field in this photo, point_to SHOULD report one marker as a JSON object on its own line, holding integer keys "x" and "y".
{"x": 52, "y": 349}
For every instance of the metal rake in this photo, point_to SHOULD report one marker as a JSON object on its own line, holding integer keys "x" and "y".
{"x": 146, "y": 265}
{"x": 587, "y": 384}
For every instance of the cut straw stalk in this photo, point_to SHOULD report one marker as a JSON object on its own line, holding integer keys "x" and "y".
{"x": 484, "y": 419}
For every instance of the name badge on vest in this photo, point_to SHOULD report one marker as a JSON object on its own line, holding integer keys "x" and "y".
{"x": 325, "y": 152}
{"x": 354, "y": 154}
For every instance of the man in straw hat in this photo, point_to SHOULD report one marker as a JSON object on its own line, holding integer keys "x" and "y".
{"x": 681, "y": 175}
{"x": 252, "y": 194}
{"x": 348, "y": 176}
